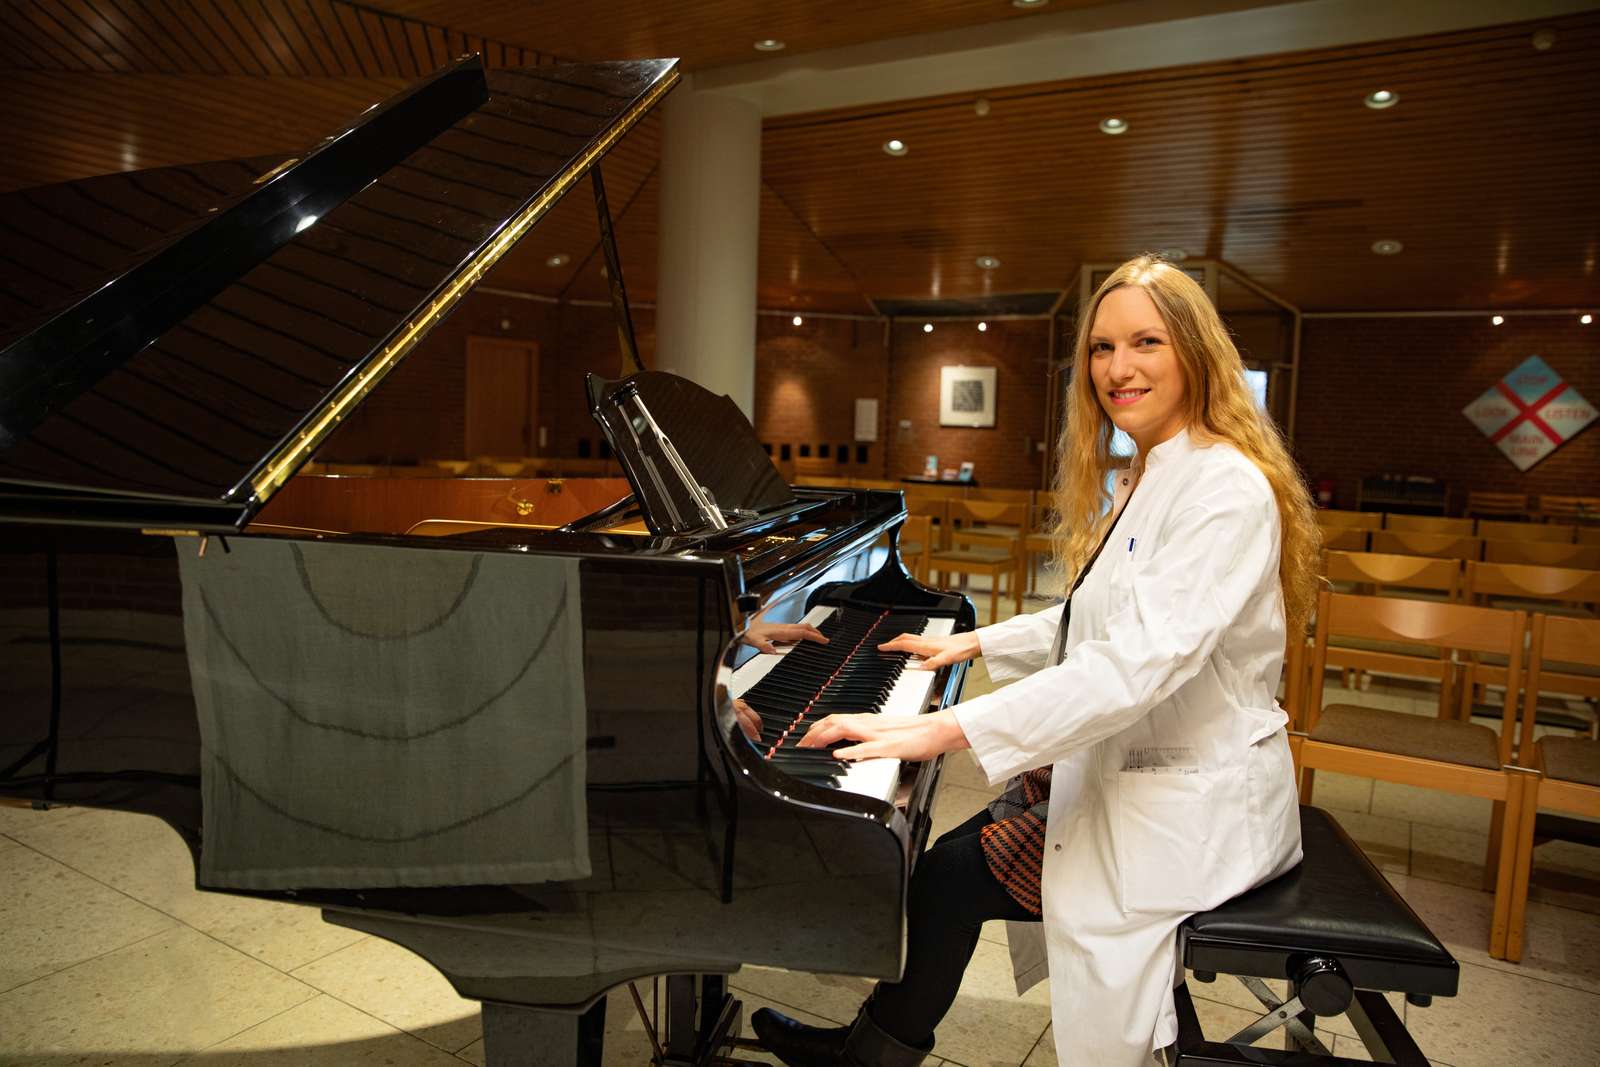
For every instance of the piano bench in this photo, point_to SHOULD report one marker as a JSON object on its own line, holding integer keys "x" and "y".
{"x": 1342, "y": 937}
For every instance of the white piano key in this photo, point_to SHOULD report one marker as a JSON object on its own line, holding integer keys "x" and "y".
{"x": 910, "y": 696}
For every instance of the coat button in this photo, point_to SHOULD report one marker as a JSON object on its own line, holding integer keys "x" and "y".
{"x": 1058, "y": 848}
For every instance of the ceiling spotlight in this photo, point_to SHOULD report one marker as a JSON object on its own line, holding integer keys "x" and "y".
{"x": 987, "y": 262}
{"x": 1029, "y": 5}
{"x": 1387, "y": 246}
{"x": 894, "y": 146}
{"x": 1383, "y": 98}
{"x": 980, "y": 107}
{"x": 769, "y": 44}
{"x": 1586, "y": 319}
{"x": 1113, "y": 126}
{"x": 927, "y": 327}
{"x": 983, "y": 327}
{"x": 1497, "y": 320}
{"x": 560, "y": 259}
{"x": 1544, "y": 39}
{"x": 798, "y": 320}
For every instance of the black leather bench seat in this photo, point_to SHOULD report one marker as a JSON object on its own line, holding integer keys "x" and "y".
{"x": 1335, "y": 904}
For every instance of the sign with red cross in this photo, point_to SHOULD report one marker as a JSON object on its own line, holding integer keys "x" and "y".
{"x": 1530, "y": 412}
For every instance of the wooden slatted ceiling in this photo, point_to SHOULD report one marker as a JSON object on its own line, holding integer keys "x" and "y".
{"x": 1484, "y": 170}
{"x": 707, "y": 33}
{"x": 293, "y": 38}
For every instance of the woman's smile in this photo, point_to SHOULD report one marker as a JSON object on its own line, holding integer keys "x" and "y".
{"x": 1127, "y": 396}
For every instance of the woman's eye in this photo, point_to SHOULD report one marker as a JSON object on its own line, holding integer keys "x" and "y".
{"x": 1149, "y": 342}
{"x": 1099, "y": 346}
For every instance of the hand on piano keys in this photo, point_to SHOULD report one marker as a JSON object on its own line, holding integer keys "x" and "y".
{"x": 934, "y": 652}
{"x": 766, "y": 636}
{"x": 919, "y": 738}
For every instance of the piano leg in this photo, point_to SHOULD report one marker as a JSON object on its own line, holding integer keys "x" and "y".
{"x": 517, "y": 1036}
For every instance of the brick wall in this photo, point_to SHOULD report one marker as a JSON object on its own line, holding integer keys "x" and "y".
{"x": 1005, "y": 455}
{"x": 808, "y": 378}
{"x": 1385, "y": 395}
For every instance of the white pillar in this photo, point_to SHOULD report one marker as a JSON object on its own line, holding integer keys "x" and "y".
{"x": 710, "y": 216}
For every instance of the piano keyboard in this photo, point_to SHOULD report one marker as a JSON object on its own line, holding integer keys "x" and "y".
{"x": 807, "y": 681}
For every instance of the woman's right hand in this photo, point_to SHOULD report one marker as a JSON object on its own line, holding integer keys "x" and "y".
{"x": 936, "y": 652}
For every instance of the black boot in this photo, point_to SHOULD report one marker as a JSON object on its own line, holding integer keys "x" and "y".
{"x": 861, "y": 1044}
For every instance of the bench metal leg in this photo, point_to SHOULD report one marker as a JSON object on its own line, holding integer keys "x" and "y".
{"x": 1369, "y": 1013}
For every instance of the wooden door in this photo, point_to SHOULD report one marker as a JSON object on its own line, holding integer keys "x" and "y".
{"x": 502, "y": 396}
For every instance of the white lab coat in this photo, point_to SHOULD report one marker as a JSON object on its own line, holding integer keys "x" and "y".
{"x": 1176, "y": 642}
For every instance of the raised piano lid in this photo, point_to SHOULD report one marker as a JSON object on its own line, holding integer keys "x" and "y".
{"x": 185, "y": 339}
{"x": 711, "y": 436}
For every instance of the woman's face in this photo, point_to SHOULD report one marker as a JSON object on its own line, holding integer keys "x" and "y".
{"x": 1134, "y": 369}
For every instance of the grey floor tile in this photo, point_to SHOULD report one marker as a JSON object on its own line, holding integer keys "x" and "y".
{"x": 52, "y": 917}
{"x": 167, "y": 996}
{"x": 321, "y": 1032}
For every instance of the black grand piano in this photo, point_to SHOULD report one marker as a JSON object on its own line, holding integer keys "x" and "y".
{"x": 506, "y": 746}
{"x": 511, "y": 750}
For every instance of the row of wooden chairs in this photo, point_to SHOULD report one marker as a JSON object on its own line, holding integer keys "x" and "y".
{"x": 1483, "y": 529}
{"x": 1549, "y": 506}
{"x": 1490, "y": 550}
{"x": 1508, "y": 765}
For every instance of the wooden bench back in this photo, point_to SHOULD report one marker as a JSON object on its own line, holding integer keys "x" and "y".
{"x": 1416, "y": 543}
{"x": 1430, "y": 524}
{"x": 1488, "y": 529}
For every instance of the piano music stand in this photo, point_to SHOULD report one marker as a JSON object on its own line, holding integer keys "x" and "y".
{"x": 1341, "y": 935}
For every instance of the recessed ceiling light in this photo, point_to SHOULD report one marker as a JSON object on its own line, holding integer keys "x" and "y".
{"x": 1544, "y": 39}
{"x": 1382, "y": 98}
{"x": 769, "y": 44}
{"x": 1387, "y": 246}
{"x": 1029, "y": 5}
{"x": 560, "y": 259}
{"x": 895, "y": 146}
{"x": 983, "y": 327}
{"x": 980, "y": 107}
{"x": 1175, "y": 255}
{"x": 798, "y": 320}
{"x": 1586, "y": 319}
{"x": 987, "y": 262}
{"x": 927, "y": 327}
{"x": 1497, "y": 320}
{"x": 1113, "y": 126}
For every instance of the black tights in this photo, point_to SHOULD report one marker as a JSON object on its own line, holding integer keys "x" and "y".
{"x": 952, "y": 894}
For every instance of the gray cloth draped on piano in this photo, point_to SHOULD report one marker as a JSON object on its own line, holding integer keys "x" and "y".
{"x": 386, "y": 716}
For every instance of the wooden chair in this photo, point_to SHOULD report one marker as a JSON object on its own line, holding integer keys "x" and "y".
{"x": 1567, "y": 777}
{"x": 934, "y": 502}
{"x": 1002, "y": 496}
{"x": 1039, "y": 539}
{"x": 1497, "y": 504}
{"x": 1374, "y": 574}
{"x": 1443, "y": 754}
{"x": 1345, "y": 538}
{"x": 1543, "y": 554}
{"x": 984, "y": 538}
{"x": 916, "y": 545}
{"x": 1550, "y": 590}
{"x": 1556, "y": 533}
{"x": 455, "y": 468}
{"x": 1418, "y": 543}
{"x": 1583, "y": 509}
{"x": 1361, "y": 520}
{"x": 1579, "y": 589}
{"x": 1429, "y": 524}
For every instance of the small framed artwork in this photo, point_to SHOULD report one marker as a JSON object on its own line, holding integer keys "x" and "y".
{"x": 966, "y": 396}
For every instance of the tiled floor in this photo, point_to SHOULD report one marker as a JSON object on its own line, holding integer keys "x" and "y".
{"x": 108, "y": 957}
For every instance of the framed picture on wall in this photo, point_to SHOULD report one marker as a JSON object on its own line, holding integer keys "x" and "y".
{"x": 966, "y": 396}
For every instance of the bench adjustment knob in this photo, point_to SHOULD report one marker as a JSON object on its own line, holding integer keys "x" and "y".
{"x": 1419, "y": 1000}
{"x": 1323, "y": 986}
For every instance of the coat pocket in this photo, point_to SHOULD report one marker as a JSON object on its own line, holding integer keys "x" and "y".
{"x": 1169, "y": 828}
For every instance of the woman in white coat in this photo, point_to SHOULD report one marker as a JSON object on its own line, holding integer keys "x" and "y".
{"x": 1149, "y": 767}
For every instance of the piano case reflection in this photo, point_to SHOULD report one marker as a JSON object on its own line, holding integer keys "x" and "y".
{"x": 343, "y": 718}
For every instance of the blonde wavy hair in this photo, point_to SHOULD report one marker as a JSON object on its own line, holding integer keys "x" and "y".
{"x": 1221, "y": 408}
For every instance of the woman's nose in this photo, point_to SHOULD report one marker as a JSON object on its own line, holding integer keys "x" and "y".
{"x": 1121, "y": 366}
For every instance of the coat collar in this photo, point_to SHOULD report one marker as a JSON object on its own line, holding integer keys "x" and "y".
{"x": 1178, "y": 445}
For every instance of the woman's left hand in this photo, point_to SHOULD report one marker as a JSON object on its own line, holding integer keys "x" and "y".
{"x": 909, "y": 738}
{"x": 767, "y": 636}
